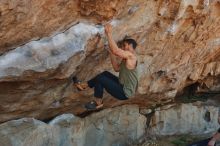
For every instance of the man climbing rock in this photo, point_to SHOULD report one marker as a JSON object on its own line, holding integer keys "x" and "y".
{"x": 122, "y": 87}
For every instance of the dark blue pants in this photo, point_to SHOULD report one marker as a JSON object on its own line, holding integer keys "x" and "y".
{"x": 110, "y": 83}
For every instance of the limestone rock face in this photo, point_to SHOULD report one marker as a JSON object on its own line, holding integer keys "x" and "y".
{"x": 112, "y": 127}
{"x": 22, "y": 21}
{"x": 44, "y": 43}
{"x": 122, "y": 126}
{"x": 185, "y": 119}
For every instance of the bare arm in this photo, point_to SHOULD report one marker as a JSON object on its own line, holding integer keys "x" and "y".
{"x": 113, "y": 46}
{"x": 114, "y": 62}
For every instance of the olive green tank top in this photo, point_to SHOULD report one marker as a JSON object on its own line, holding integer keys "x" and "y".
{"x": 129, "y": 79}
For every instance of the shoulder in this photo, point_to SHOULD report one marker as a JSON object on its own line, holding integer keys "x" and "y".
{"x": 130, "y": 54}
{"x": 133, "y": 56}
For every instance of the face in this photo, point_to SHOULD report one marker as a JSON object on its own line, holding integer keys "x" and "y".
{"x": 126, "y": 46}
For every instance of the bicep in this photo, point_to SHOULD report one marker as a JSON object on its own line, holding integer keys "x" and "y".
{"x": 121, "y": 53}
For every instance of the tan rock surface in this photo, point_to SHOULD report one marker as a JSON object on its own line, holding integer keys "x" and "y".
{"x": 179, "y": 45}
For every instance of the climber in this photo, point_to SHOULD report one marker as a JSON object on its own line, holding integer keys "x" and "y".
{"x": 122, "y": 87}
{"x": 214, "y": 138}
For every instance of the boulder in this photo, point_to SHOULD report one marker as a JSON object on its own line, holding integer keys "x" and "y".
{"x": 44, "y": 43}
{"x": 192, "y": 118}
{"x": 110, "y": 127}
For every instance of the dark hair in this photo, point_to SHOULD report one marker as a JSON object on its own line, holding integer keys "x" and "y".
{"x": 130, "y": 42}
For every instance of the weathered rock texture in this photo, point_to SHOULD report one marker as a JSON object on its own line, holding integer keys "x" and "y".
{"x": 113, "y": 127}
{"x": 185, "y": 119}
{"x": 120, "y": 126}
{"x": 43, "y": 43}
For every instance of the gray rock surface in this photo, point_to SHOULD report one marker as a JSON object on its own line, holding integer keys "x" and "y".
{"x": 47, "y": 53}
{"x": 120, "y": 126}
{"x": 110, "y": 127}
{"x": 185, "y": 119}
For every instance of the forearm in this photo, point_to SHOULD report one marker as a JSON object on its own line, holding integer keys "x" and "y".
{"x": 114, "y": 62}
{"x": 112, "y": 44}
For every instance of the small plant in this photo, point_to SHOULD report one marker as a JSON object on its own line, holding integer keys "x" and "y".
{"x": 182, "y": 141}
{"x": 193, "y": 98}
